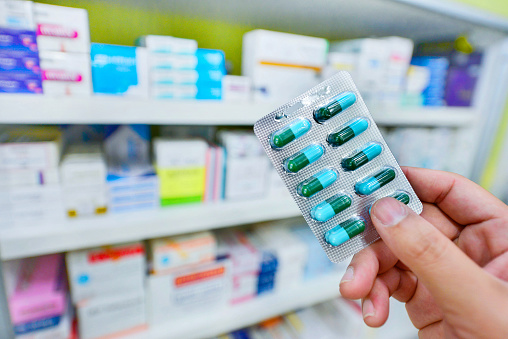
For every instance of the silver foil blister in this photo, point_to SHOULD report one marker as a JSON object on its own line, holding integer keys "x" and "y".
{"x": 304, "y": 106}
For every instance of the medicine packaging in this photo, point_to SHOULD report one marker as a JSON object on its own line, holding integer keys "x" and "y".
{"x": 335, "y": 163}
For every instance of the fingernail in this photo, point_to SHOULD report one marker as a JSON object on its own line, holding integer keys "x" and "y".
{"x": 368, "y": 309}
{"x": 349, "y": 275}
{"x": 389, "y": 211}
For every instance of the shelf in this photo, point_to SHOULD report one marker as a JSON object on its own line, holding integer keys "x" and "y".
{"x": 430, "y": 20}
{"x": 31, "y": 109}
{"x": 119, "y": 228}
{"x": 249, "y": 313}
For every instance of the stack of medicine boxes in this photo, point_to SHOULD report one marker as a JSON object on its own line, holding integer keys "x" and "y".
{"x": 132, "y": 183}
{"x": 107, "y": 288}
{"x": 19, "y": 58}
{"x": 63, "y": 38}
{"x": 179, "y": 70}
{"x": 30, "y": 193}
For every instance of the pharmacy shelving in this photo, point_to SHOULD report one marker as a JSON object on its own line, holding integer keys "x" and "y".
{"x": 32, "y": 109}
{"x": 210, "y": 324}
{"x": 20, "y": 242}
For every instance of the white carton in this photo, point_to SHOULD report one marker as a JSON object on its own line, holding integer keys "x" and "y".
{"x": 168, "y": 44}
{"x": 106, "y": 271}
{"x": 236, "y": 88}
{"x": 282, "y": 65}
{"x": 172, "y": 252}
{"x": 62, "y": 29}
{"x": 65, "y": 73}
{"x": 112, "y": 316}
{"x": 16, "y": 14}
{"x": 184, "y": 292}
{"x": 30, "y": 148}
{"x": 29, "y": 177}
{"x": 247, "y": 167}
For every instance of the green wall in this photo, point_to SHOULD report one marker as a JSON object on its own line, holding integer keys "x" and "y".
{"x": 495, "y": 6}
{"x": 116, "y": 24}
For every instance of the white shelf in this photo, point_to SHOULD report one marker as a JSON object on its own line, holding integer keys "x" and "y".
{"x": 214, "y": 323}
{"x": 118, "y": 228}
{"x": 33, "y": 109}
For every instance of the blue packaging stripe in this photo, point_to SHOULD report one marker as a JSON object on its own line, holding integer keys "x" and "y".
{"x": 37, "y": 325}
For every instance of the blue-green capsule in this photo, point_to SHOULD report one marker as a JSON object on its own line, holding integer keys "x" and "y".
{"x": 330, "y": 207}
{"x": 366, "y": 154}
{"x": 345, "y": 231}
{"x": 288, "y": 133}
{"x": 338, "y": 104}
{"x": 317, "y": 182}
{"x": 348, "y": 131}
{"x": 372, "y": 183}
{"x": 304, "y": 158}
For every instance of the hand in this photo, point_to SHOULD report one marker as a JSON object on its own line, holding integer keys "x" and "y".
{"x": 449, "y": 265}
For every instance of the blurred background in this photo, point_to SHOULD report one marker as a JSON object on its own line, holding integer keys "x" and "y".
{"x": 135, "y": 201}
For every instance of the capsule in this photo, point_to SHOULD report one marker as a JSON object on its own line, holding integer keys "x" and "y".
{"x": 317, "y": 182}
{"x": 330, "y": 207}
{"x": 371, "y": 184}
{"x": 339, "y": 104}
{"x": 345, "y": 231}
{"x": 352, "y": 129}
{"x": 288, "y": 133}
{"x": 303, "y": 158}
{"x": 369, "y": 152}
{"x": 403, "y": 197}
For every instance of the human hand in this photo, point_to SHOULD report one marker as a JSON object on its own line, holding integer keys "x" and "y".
{"x": 449, "y": 265}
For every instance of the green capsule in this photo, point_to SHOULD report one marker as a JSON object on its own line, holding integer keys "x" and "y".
{"x": 330, "y": 207}
{"x": 370, "y": 184}
{"x": 303, "y": 158}
{"x": 369, "y": 152}
{"x": 288, "y": 133}
{"x": 403, "y": 197}
{"x": 350, "y": 130}
{"x": 345, "y": 231}
{"x": 317, "y": 182}
{"x": 338, "y": 104}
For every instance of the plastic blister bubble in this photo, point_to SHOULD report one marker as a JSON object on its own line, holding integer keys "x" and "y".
{"x": 303, "y": 107}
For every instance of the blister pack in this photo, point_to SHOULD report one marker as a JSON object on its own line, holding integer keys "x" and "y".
{"x": 330, "y": 154}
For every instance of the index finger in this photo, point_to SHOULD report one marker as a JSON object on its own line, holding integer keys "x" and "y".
{"x": 460, "y": 198}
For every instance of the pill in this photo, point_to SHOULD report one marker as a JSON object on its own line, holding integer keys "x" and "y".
{"x": 368, "y": 152}
{"x": 317, "y": 182}
{"x": 303, "y": 158}
{"x": 330, "y": 207}
{"x": 372, "y": 183}
{"x": 338, "y": 104}
{"x": 345, "y": 231}
{"x": 352, "y": 129}
{"x": 403, "y": 197}
{"x": 291, "y": 132}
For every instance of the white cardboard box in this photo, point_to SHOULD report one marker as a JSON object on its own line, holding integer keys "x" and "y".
{"x": 106, "y": 271}
{"x": 112, "y": 316}
{"x": 236, "y": 88}
{"x": 184, "y": 293}
{"x": 65, "y": 73}
{"x": 16, "y": 14}
{"x": 168, "y": 44}
{"x": 62, "y": 29}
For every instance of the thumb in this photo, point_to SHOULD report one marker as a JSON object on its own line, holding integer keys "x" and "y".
{"x": 447, "y": 272}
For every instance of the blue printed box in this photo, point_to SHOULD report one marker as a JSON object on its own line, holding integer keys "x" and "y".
{"x": 18, "y": 39}
{"x": 16, "y": 82}
{"x": 119, "y": 70}
{"x": 16, "y": 60}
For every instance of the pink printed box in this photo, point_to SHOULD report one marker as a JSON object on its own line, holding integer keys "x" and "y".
{"x": 40, "y": 291}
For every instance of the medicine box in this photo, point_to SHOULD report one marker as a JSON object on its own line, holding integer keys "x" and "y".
{"x": 62, "y": 29}
{"x": 167, "y": 44}
{"x": 16, "y": 14}
{"x": 188, "y": 91}
{"x": 236, "y": 88}
{"x": 83, "y": 173}
{"x": 58, "y": 327}
{"x": 185, "y": 291}
{"x": 18, "y": 40}
{"x": 282, "y": 65}
{"x": 40, "y": 291}
{"x": 119, "y": 70}
{"x": 247, "y": 166}
{"x": 106, "y": 271}
{"x": 65, "y": 73}
{"x": 169, "y": 253}
{"x": 112, "y": 316}
{"x": 211, "y": 77}
{"x": 181, "y": 168}
{"x": 33, "y": 148}
{"x": 127, "y": 145}
{"x": 20, "y": 83}
{"x": 13, "y": 60}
